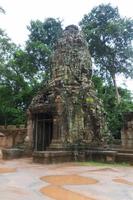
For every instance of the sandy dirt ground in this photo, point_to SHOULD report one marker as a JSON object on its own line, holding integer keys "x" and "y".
{"x": 23, "y": 180}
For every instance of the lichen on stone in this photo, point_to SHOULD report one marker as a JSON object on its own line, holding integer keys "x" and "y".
{"x": 70, "y": 95}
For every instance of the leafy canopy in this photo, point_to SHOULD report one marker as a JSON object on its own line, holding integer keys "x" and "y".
{"x": 114, "y": 112}
{"x": 21, "y": 71}
{"x": 41, "y": 42}
{"x": 110, "y": 38}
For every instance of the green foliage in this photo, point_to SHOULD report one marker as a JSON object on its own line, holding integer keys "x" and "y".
{"x": 114, "y": 112}
{"x": 42, "y": 39}
{"x": 18, "y": 84}
{"x": 6, "y": 47}
{"x": 22, "y": 71}
{"x": 90, "y": 100}
{"x": 110, "y": 41}
{"x": 103, "y": 164}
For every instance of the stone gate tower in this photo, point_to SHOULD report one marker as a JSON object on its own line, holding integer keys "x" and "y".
{"x": 67, "y": 111}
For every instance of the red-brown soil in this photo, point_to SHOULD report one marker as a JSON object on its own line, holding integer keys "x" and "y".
{"x": 59, "y": 193}
{"x": 123, "y": 181}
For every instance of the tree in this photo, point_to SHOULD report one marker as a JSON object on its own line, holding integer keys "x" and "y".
{"x": 17, "y": 87}
{"x": 114, "y": 112}
{"x": 21, "y": 71}
{"x": 6, "y": 47}
{"x": 110, "y": 42}
{"x": 41, "y": 42}
{"x": 18, "y": 82}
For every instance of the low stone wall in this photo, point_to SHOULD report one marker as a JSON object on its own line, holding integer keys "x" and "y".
{"x": 12, "y": 136}
{"x": 127, "y": 131}
{"x": 97, "y": 154}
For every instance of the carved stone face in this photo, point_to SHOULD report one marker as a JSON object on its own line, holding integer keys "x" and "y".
{"x": 71, "y": 59}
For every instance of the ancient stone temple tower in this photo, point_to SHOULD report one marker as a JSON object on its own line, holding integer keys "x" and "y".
{"x": 67, "y": 111}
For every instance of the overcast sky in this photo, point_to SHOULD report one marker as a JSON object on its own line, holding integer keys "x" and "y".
{"x": 19, "y": 13}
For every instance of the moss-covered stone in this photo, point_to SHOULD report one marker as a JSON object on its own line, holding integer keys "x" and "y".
{"x": 70, "y": 98}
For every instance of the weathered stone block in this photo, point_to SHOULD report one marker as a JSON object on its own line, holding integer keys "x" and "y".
{"x": 127, "y": 131}
{"x": 8, "y": 154}
{"x": 51, "y": 157}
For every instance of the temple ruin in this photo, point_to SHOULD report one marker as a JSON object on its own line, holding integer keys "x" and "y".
{"x": 67, "y": 111}
{"x": 66, "y": 120}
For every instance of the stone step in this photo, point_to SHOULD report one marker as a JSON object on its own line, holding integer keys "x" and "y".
{"x": 52, "y": 157}
{"x": 126, "y": 151}
{"x": 125, "y": 154}
{"x": 124, "y": 157}
{"x": 13, "y": 153}
{"x": 123, "y": 150}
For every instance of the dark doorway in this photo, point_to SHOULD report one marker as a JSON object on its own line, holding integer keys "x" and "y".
{"x": 43, "y": 131}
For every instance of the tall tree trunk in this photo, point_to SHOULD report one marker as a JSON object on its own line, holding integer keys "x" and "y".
{"x": 118, "y": 98}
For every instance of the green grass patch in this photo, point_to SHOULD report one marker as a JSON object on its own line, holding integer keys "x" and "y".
{"x": 103, "y": 164}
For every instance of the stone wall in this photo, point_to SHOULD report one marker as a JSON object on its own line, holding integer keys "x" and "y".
{"x": 12, "y": 136}
{"x": 127, "y": 131}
